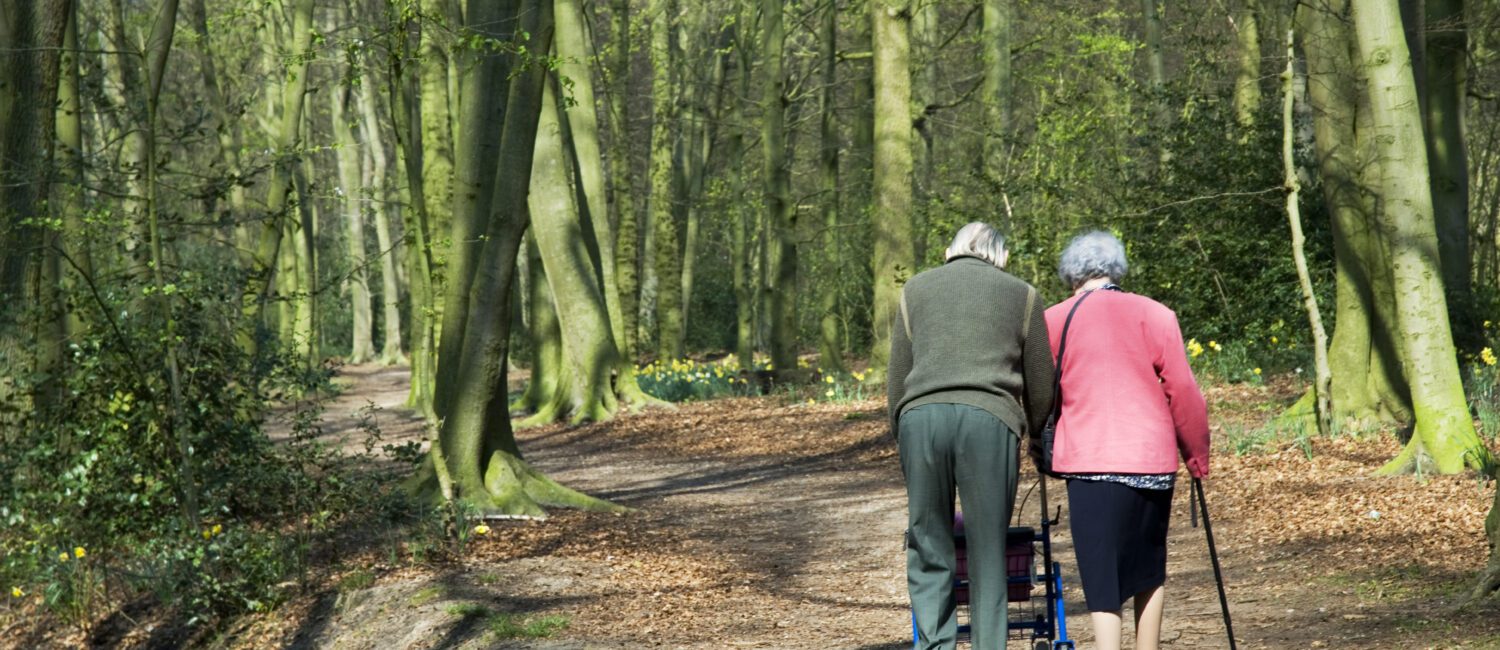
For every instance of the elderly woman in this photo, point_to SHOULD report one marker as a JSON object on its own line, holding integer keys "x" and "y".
{"x": 969, "y": 372}
{"x": 1129, "y": 407}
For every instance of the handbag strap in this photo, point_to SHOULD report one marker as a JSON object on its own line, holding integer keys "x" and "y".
{"x": 1062, "y": 346}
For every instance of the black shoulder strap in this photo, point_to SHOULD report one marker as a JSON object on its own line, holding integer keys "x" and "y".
{"x": 1062, "y": 346}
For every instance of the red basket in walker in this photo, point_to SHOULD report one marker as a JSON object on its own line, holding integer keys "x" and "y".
{"x": 1020, "y": 565}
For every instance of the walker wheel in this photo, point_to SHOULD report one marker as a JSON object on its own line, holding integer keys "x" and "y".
{"x": 1041, "y": 644}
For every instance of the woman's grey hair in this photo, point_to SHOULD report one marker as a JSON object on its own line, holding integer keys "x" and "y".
{"x": 978, "y": 240}
{"x": 1096, "y": 254}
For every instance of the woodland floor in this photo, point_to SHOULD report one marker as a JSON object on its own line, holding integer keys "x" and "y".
{"x": 769, "y": 523}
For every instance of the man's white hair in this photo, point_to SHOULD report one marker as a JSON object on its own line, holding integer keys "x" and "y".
{"x": 979, "y": 240}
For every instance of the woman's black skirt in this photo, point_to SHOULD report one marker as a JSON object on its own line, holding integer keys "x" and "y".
{"x": 1120, "y": 536}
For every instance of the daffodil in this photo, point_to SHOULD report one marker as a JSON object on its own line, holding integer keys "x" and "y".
{"x": 481, "y": 529}
{"x": 1256, "y": 371}
{"x": 829, "y": 393}
{"x": 1194, "y": 348}
{"x": 1486, "y": 324}
{"x": 207, "y": 533}
{"x": 1488, "y": 356}
{"x": 859, "y": 376}
{"x": 828, "y": 379}
{"x": 16, "y": 592}
{"x": 1215, "y": 345}
{"x": 78, "y": 552}
{"x": 62, "y": 557}
{"x": 1275, "y": 340}
{"x": 218, "y": 529}
{"x": 811, "y": 401}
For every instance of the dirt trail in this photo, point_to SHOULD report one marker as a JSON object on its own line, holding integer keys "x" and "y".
{"x": 771, "y": 525}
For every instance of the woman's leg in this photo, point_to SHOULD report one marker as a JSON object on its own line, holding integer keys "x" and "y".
{"x": 1106, "y": 630}
{"x": 1148, "y": 609}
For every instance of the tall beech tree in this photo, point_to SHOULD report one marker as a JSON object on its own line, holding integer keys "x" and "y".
{"x": 476, "y": 460}
{"x": 893, "y": 257}
{"x": 1444, "y": 438}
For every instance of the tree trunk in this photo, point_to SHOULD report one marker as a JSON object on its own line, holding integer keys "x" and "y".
{"x": 227, "y": 126}
{"x": 741, "y": 274}
{"x": 379, "y": 197}
{"x": 1293, "y": 186}
{"x": 781, "y": 215}
{"x": 405, "y": 114}
{"x": 1447, "y": 157}
{"x": 306, "y": 334}
{"x": 573, "y": 42}
{"x": 628, "y": 234}
{"x": 1333, "y": 94}
{"x": 665, "y": 255}
{"x": 830, "y": 341}
{"x": 476, "y": 444}
{"x": 546, "y": 339}
{"x": 483, "y": 80}
{"x": 588, "y": 345}
{"x": 74, "y": 240}
{"x": 994, "y": 94}
{"x": 1247, "y": 64}
{"x": 1444, "y": 434}
{"x": 352, "y": 200}
{"x": 893, "y": 259}
{"x": 1157, "y": 77}
{"x": 261, "y": 263}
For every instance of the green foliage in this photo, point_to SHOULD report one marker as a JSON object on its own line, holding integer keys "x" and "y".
{"x": 94, "y": 490}
{"x": 1484, "y": 384}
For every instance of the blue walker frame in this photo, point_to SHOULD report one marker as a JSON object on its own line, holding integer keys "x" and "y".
{"x": 1048, "y": 625}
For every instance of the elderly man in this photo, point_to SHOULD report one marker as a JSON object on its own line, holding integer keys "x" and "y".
{"x": 970, "y": 371}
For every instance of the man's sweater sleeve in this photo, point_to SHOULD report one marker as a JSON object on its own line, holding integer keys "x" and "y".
{"x": 1039, "y": 374}
{"x": 897, "y": 369}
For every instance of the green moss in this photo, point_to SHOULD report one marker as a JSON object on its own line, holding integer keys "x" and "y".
{"x": 507, "y": 626}
{"x": 425, "y": 596}
{"x": 355, "y": 581}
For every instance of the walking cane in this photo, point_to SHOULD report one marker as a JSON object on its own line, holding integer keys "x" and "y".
{"x": 1214, "y": 556}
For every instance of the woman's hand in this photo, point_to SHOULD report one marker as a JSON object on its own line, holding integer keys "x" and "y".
{"x": 1198, "y": 466}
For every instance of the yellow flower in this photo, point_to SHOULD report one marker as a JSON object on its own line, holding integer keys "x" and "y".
{"x": 811, "y": 401}
{"x": 828, "y": 379}
{"x": 207, "y": 533}
{"x": 1194, "y": 348}
{"x": 859, "y": 376}
{"x": 829, "y": 393}
{"x": 62, "y": 557}
{"x": 1488, "y": 356}
{"x": 481, "y": 529}
{"x": 1256, "y": 371}
{"x": 16, "y": 592}
{"x": 79, "y": 552}
{"x": 218, "y": 529}
{"x": 1215, "y": 345}
{"x": 1274, "y": 340}
{"x": 1486, "y": 324}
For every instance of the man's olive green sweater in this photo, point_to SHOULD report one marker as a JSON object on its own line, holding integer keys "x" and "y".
{"x": 964, "y": 336}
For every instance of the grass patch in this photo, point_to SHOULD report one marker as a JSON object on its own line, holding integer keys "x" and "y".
{"x": 425, "y": 596}
{"x": 467, "y": 610}
{"x": 506, "y": 626}
{"x": 487, "y": 579}
{"x": 356, "y": 581}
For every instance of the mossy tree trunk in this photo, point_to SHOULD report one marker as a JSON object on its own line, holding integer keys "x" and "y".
{"x": 483, "y": 79}
{"x": 663, "y": 252}
{"x": 893, "y": 259}
{"x": 590, "y": 356}
{"x": 405, "y": 42}
{"x": 994, "y": 93}
{"x": 1444, "y": 439}
{"x": 742, "y": 227}
{"x": 1362, "y": 356}
{"x": 352, "y": 198}
{"x": 628, "y": 233}
{"x": 285, "y": 142}
{"x": 1445, "y": 92}
{"x": 476, "y": 447}
{"x": 830, "y": 341}
{"x": 1247, "y": 64}
{"x": 781, "y": 214}
{"x": 379, "y": 197}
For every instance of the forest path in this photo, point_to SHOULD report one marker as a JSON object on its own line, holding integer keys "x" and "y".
{"x": 764, "y": 522}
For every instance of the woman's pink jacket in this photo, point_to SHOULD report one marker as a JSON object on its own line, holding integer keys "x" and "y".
{"x": 1130, "y": 404}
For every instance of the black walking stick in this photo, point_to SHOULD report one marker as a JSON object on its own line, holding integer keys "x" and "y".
{"x": 1214, "y": 556}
